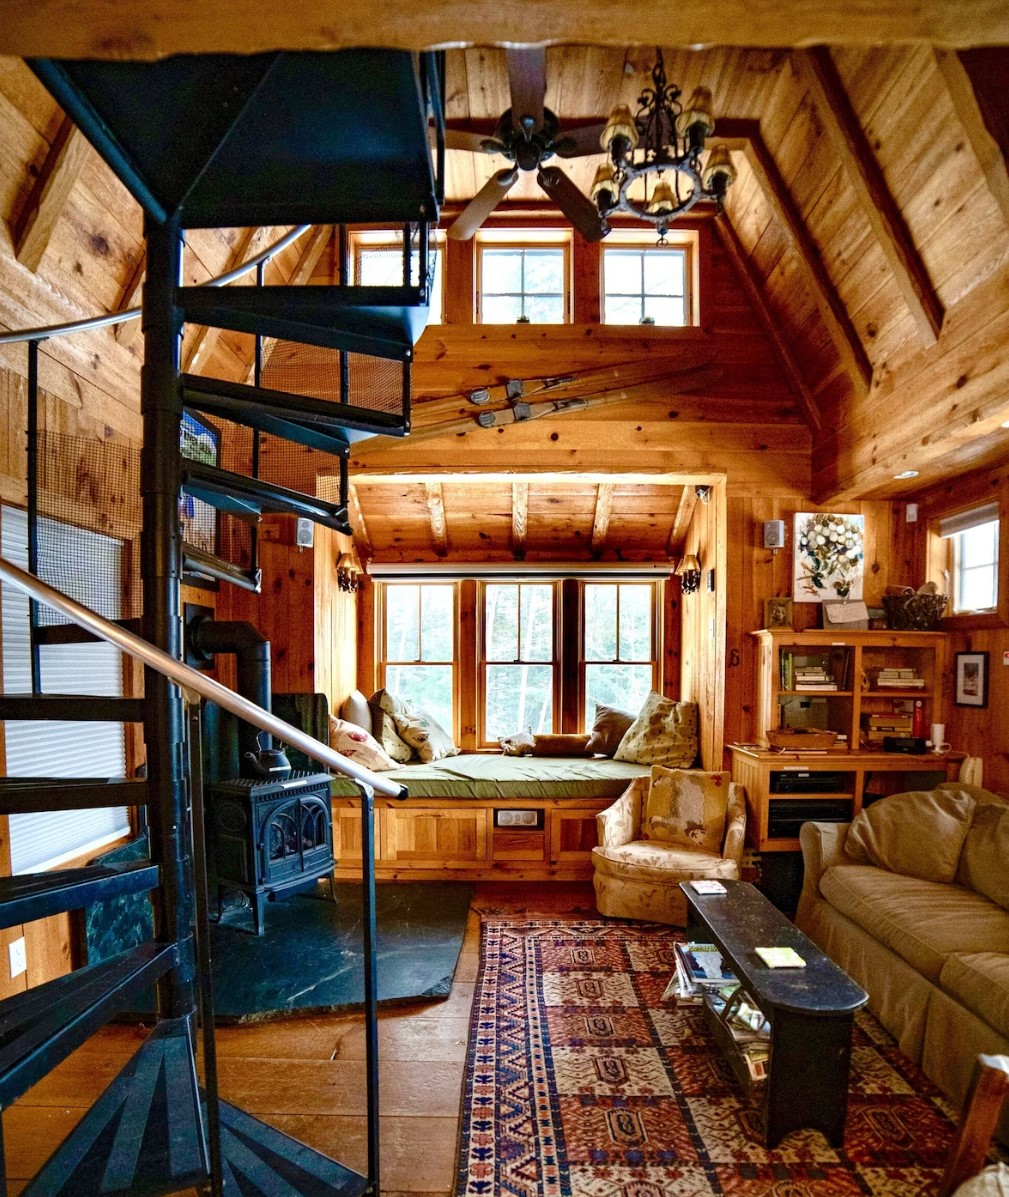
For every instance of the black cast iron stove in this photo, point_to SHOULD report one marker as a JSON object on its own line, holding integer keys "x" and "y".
{"x": 270, "y": 838}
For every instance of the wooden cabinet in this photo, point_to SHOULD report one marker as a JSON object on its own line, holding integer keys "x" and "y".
{"x": 855, "y": 698}
{"x": 434, "y": 838}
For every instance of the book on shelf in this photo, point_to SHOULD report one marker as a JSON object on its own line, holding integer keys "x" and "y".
{"x": 820, "y": 687}
{"x": 703, "y": 965}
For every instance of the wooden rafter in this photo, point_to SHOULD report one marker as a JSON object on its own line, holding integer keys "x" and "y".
{"x": 758, "y": 301}
{"x": 520, "y": 518}
{"x": 745, "y": 136}
{"x": 34, "y": 225}
{"x": 315, "y": 246}
{"x": 357, "y": 523}
{"x": 968, "y": 112}
{"x": 131, "y": 298}
{"x": 436, "y": 514}
{"x": 601, "y": 518}
{"x": 681, "y": 522}
{"x": 869, "y": 184}
{"x": 201, "y": 343}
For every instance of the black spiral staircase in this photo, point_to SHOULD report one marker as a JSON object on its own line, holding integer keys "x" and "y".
{"x": 213, "y": 141}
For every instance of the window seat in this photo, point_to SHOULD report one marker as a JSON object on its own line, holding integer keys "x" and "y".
{"x": 456, "y": 821}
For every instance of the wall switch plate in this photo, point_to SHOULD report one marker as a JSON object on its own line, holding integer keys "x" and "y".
{"x": 18, "y": 957}
{"x": 911, "y": 513}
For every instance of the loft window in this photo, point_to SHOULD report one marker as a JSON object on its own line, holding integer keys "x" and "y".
{"x": 523, "y": 277}
{"x": 377, "y": 257}
{"x": 418, "y": 661}
{"x": 973, "y": 537}
{"x": 618, "y": 645}
{"x": 519, "y": 660}
{"x": 646, "y": 285}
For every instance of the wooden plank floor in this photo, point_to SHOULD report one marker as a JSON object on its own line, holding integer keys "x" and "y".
{"x": 305, "y": 1075}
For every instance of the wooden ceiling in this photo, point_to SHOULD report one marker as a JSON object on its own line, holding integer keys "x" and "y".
{"x": 521, "y": 518}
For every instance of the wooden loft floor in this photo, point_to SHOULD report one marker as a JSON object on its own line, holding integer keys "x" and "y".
{"x": 305, "y": 1075}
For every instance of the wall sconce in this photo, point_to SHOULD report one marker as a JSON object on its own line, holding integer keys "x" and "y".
{"x": 348, "y": 574}
{"x": 689, "y": 573}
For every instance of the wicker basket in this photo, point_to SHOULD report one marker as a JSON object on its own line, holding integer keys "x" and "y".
{"x": 797, "y": 739}
{"x": 910, "y": 612}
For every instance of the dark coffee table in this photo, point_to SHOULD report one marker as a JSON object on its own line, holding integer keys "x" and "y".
{"x": 811, "y": 1010}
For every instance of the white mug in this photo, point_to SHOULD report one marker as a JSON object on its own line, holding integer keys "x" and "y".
{"x": 938, "y": 738}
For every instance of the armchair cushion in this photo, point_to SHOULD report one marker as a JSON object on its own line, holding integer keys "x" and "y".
{"x": 687, "y": 807}
{"x": 645, "y": 860}
{"x": 664, "y": 733}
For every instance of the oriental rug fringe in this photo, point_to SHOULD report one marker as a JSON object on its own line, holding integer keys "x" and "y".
{"x": 582, "y": 1082}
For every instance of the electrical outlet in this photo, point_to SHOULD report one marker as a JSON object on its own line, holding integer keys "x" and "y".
{"x": 18, "y": 957}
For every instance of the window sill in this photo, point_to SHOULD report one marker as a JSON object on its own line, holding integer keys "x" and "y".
{"x": 971, "y": 621}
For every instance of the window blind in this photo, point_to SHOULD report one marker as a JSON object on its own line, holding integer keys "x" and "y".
{"x": 963, "y": 521}
{"x": 54, "y": 749}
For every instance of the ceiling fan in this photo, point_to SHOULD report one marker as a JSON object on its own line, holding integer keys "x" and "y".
{"x": 528, "y": 135}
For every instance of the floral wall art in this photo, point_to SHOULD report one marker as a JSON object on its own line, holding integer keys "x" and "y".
{"x": 829, "y": 556}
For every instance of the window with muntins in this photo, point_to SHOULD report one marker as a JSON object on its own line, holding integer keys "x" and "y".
{"x": 378, "y": 262}
{"x": 973, "y": 536}
{"x": 418, "y": 661}
{"x": 523, "y": 284}
{"x": 645, "y": 285}
{"x": 519, "y": 659}
{"x": 618, "y": 629}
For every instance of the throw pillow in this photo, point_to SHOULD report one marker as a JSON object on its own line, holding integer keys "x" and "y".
{"x": 985, "y": 852}
{"x": 608, "y": 729}
{"x": 687, "y": 807}
{"x": 384, "y": 730}
{"x": 561, "y": 745}
{"x": 664, "y": 733}
{"x": 354, "y": 742}
{"x": 355, "y": 709}
{"x": 421, "y": 731}
{"x": 918, "y": 834}
{"x": 520, "y": 744}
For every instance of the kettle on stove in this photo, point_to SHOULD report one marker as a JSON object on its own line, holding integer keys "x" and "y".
{"x": 268, "y": 764}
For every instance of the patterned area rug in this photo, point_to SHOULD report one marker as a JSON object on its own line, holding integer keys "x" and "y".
{"x": 582, "y": 1082}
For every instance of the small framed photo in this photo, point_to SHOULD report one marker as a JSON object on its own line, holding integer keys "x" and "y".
{"x": 971, "y": 679}
{"x": 777, "y": 613}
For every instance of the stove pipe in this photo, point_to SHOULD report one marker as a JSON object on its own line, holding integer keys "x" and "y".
{"x": 252, "y": 656}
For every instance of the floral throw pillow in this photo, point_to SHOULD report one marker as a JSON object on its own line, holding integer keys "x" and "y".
{"x": 687, "y": 807}
{"x": 355, "y": 743}
{"x": 421, "y": 731}
{"x": 664, "y": 733}
{"x": 384, "y": 729}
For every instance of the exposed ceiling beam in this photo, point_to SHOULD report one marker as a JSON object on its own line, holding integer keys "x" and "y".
{"x": 758, "y": 301}
{"x": 601, "y": 519}
{"x": 745, "y": 136}
{"x": 436, "y": 513}
{"x": 156, "y": 28}
{"x": 520, "y": 518}
{"x": 315, "y": 246}
{"x": 34, "y": 225}
{"x": 681, "y": 522}
{"x": 869, "y": 184}
{"x": 982, "y": 141}
{"x": 131, "y": 298}
{"x": 201, "y": 343}
{"x": 358, "y": 525}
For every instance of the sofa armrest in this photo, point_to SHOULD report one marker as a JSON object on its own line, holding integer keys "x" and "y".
{"x": 735, "y": 825}
{"x": 618, "y": 824}
{"x": 822, "y": 847}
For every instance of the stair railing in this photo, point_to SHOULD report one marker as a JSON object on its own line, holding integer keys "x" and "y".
{"x": 195, "y": 686}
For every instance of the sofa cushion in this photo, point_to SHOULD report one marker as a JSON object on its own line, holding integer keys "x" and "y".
{"x": 923, "y": 922}
{"x": 686, "y": 807}
{"x": 645, "y": 860}
{"x": 608, "y": 730}
{"x": 664, "y": 733}
{"x": 980, "y": 981}
{"x": 355, "y": 709}
{"x": 984, "y": 861}
{"x": 918, "y": 834}
{"x": 980, "y": 795}
{"x": 418, "y": 729}
{"x": 384, "y": 729}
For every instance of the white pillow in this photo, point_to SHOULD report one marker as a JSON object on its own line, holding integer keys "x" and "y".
{"x": 360, "y": 747}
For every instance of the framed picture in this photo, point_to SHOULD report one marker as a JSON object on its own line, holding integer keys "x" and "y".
{"x": 827, "y": 556}
{"x": 777, "y": 613}
{"x": 971, "y": 679}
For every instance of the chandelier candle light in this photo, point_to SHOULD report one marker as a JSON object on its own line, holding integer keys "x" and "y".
{"x": 664, "y": 138}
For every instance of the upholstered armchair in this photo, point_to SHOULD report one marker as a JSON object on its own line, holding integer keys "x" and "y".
{"x": 636, "y": 878}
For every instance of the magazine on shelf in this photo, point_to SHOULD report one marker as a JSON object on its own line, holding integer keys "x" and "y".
{"x": 703, "y": 965}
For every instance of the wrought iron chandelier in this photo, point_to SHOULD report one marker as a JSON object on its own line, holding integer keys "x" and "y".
{"x": 664, "y": 138}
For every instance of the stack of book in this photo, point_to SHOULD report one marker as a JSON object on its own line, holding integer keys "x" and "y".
{"x": 813, "y": 677}
{"x": 748, "y": 1027}
{"x": 899, "y": 679}
{"x": 699, "y": 970}
{"x": 876, "y": 727}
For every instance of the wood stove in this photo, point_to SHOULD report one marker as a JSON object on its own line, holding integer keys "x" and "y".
{"x": 269, "y": 838}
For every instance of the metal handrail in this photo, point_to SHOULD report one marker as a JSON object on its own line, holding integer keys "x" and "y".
{"x": 192, "y": 682}
{"x": 92, "y": 322}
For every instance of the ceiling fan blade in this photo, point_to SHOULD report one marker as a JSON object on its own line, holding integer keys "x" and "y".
{"x": 479, "y": 143}
{"x": 527, "y": 78}
{"x": 482, "y": 205}
{"x": 575, "y": 143}
{"x": 580, "y": 210}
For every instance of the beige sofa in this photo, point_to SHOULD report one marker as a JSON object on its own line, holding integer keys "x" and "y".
{"x": 933, "y": 955}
